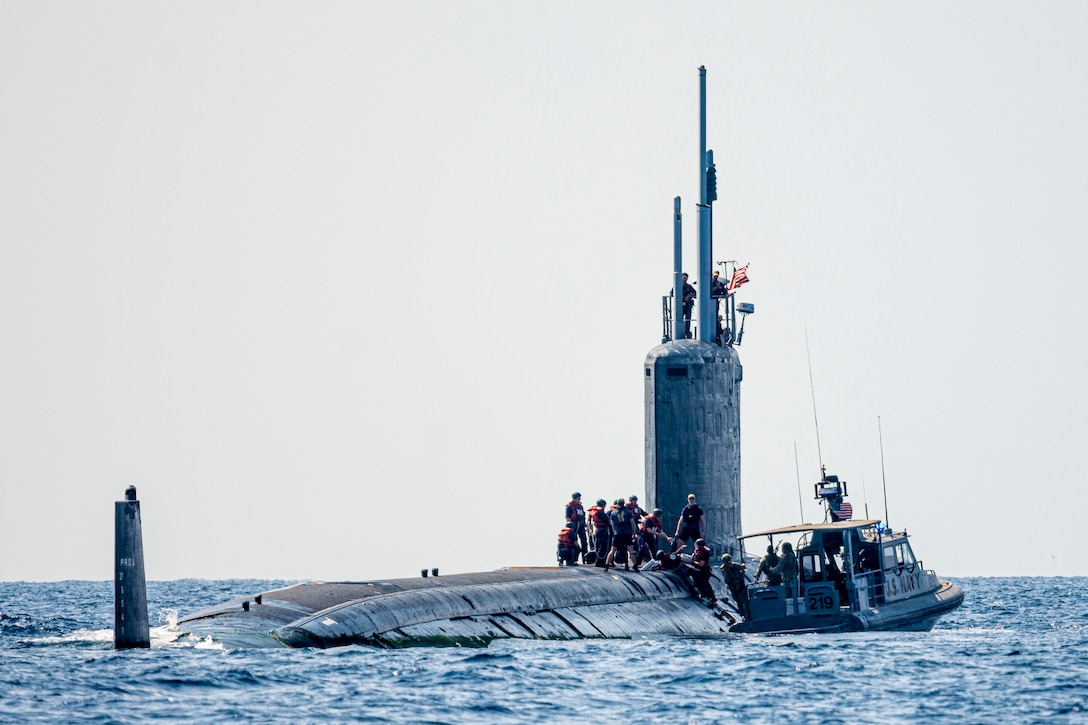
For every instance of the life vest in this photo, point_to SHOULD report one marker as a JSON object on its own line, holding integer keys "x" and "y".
{"x": 575, "y": 512}
{"x": 651, "y": 524}
{"x": 567, "y": 537}
{"x": 692, "y": 513}
{"x": 701, "y": 557}
{"x": 599, "y": 516}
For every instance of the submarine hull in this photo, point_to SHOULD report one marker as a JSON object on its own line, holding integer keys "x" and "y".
{"x": 462, "y": 610}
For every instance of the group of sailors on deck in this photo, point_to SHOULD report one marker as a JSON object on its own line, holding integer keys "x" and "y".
{"x": 624, "y": 533}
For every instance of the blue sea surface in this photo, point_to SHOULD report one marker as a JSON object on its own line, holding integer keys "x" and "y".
{"x": 1016, "y": 651}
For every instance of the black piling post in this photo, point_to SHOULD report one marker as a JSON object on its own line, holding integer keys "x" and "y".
{"x": 130, "y": 628}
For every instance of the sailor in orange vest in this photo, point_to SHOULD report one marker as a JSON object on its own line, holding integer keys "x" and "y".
{"x": 567, "y": 548}
{"x": 577, "y": 516}
{"x": 651, "y": 532}
{"x": 600, "y": 531}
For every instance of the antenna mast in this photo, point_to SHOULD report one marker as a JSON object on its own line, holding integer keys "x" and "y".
{"x": 880, "y": 432}
{"x": 797, "y": 467}
{"x": 812, "y": 387}
{"x": 864, "y": 496}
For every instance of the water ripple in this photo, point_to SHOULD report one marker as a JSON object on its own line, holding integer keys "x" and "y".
{"x": 1016, "y": 651}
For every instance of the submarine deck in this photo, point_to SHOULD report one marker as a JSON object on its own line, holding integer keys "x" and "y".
{"x": 475, "y": 608}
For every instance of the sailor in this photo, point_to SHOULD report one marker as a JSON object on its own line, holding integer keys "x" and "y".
{"x": 651, "y": 532}
{"x": 623, "y": 534}
{"x": 691, "y": 524}
{"x": 734, "y": 574}
{"x": 642, "y": 553}
{"x": 670, "y": 560}
{"x": 868, "y": 559}
{"x": 787, "y": 569}
{"x": 600, "y": 530}
{"x": 766, "y": 568}
{"x": 567, "y": 546}
{"x": 699, "y": 569}
{"x": 688, "y": 303}
{"x": 577, "y": 516}
{"x": 717, "y": 286}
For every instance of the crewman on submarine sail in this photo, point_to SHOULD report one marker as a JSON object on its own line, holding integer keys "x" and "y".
{"x": 688, "y": 303}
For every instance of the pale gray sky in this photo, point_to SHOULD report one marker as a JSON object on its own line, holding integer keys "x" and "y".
{"x": 349, "y": 289}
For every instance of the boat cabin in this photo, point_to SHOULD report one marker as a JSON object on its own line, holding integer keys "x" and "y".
{"x": 843, "y": 568}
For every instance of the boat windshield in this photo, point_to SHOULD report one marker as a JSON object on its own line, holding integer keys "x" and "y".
{"x": 898, "y": 555}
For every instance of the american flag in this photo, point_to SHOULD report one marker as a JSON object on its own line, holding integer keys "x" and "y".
{"x": 844, "y": 512}
{"x": 739, "y": 277}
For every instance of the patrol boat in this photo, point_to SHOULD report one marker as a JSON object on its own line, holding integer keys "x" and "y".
{"x": 852, "y": 575}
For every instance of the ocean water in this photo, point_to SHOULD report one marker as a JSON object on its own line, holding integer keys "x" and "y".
{"x": 1016, "y": 651}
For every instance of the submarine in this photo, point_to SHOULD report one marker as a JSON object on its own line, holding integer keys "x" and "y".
{"x": 692, "y": 408}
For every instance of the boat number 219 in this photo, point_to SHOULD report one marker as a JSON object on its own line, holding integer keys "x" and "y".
{"x": 820, "y": 602}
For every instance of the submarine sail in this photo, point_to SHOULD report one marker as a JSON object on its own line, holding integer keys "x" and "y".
{"x": 693, "y": 435}
{"x": 692, "y": 386}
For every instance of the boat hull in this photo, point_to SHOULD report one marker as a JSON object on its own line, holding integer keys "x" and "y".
{"x": 918, "y": 613}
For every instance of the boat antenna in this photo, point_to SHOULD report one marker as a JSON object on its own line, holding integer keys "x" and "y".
{"x": 797, "y": 467}
{"x": 864, "y": 496}
{"x": 812, "y": 387}
{"x": 884, "y": 478}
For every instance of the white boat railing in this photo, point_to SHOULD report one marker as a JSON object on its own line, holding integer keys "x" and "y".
{"x": 875, "y": 588}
